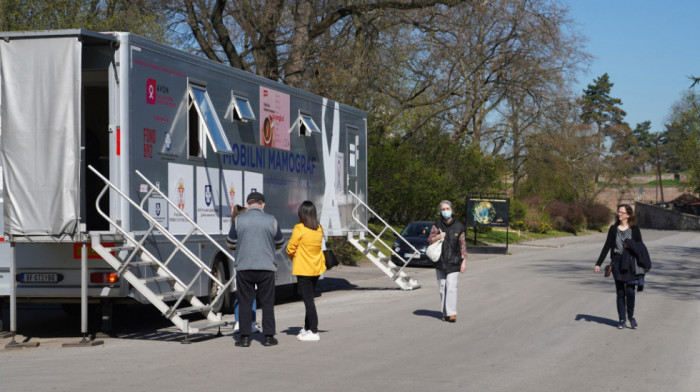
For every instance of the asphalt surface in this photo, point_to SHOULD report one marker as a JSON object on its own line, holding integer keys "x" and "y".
{"x": 538, "y": 319}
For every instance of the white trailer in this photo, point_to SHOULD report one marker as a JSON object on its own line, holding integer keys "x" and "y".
{"x": 178, "y": 140}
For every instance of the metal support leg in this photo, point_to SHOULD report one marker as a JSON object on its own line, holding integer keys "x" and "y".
{"x": 13, "y": 294}
{"x": 187, "y": 332}
{"x": 13, "y": 304}
{"x": 85, "y": 342}
{"x": 83, "y": 293}
{"x": 3, "y": 334}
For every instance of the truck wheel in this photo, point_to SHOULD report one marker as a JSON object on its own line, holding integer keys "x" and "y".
{"x": 226, "y": 304}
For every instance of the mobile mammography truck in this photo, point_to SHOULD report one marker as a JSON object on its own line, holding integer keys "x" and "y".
{"x": 122, "y": 160}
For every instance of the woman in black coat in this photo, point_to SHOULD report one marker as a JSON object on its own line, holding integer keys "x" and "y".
{"x": 623, "y": 229}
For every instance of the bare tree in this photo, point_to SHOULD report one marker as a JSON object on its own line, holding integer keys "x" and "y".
{"x": 498, "y": 50}
{"x": 272, "y": 38}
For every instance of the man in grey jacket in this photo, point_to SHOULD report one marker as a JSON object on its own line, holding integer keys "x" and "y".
{"x": 255, "y": 236}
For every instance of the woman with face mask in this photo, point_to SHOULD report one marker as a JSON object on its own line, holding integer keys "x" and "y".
{"x": 453, "y": 259}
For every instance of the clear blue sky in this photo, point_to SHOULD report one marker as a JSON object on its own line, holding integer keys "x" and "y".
{"x": 647, "y": 47}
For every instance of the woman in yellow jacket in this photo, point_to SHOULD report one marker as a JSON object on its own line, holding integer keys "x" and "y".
{"x": 308, "y": 264}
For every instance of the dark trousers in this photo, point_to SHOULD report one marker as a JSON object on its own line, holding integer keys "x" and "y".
{"x": 246, "y": 281}
{"x": 625, "y": 299}
{"x": 307, "y": 290}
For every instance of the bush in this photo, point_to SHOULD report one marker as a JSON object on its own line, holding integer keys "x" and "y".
{"x": 597, "y": 216}
{"x": 518, "y": 210}
{"x": 542, "y": 228}
{"x": 518, "y": 225}
{"x": 567, "y": 217}
{"x": 343, "y": 250}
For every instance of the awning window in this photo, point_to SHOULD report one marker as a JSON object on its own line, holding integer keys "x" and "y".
{"x": 307, "y": 126}
{"x": 210, "y": 121}
{"x": 242, "y": 109}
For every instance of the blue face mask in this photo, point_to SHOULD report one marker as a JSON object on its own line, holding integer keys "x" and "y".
{"x": 447, "y": 214}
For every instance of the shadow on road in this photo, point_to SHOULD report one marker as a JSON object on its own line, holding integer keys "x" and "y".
{"x": 428, "y": 313}
{"x": 596, "y": 319}
{"x": 675, "y": 272}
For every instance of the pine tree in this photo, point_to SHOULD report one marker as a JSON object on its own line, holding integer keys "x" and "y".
{"x": 602, "y": 111}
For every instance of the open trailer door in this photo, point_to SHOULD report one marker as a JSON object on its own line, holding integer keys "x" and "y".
{"x": 41, "y": 87}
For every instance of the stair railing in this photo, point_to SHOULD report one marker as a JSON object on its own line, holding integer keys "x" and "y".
{"x": 179, "y": 245}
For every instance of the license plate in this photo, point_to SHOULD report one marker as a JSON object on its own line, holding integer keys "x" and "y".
{"x": 38, "y": 278}
{"x": 407, "y": 255}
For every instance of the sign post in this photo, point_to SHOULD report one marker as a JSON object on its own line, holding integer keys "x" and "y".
{"x": 488, "y": 211}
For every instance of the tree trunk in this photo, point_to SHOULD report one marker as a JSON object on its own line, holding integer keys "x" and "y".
{"x": 296, "y": 62}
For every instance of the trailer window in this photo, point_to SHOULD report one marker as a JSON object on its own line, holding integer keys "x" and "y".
{"x": 307, "y": 126}
{"x": 209, "y": 122}
{"x": 241, "y": 108}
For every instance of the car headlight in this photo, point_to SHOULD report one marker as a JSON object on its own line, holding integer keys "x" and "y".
{"x": 422, "y": 249}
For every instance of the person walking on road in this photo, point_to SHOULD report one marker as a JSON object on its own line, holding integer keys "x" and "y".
{"x": 623, "y": 230}
{"x": 254, "y": 236}
{"x": 308, "y": 264}
{"x": 453, "y": 259}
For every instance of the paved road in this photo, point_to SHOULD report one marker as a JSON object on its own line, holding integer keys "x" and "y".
{"x": 536, "y": 320}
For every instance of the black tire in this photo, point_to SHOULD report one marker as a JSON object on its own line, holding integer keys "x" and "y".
{"x": 221, "y": 272}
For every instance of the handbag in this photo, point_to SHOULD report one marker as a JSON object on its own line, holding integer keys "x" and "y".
{"x": 608, "y": 270}
{"x": 331, "y": 260}
{"x": 434, "y": 250}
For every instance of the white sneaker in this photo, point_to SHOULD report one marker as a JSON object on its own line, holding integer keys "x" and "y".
{"x": 309, "y": 337}
{"x": 255, "y": 328}
{"x": 236, "y": 328}
{"x": 302, "y": 333}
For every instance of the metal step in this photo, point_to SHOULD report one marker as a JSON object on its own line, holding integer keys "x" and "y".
{"x": 157, "y": 278}
{"x": 143, "y": 264}
{"x": 120, "y": 248}
{"x": 201, "y": 325}
{"x": 191, "y": 310}
{"x": 174, "y": 295}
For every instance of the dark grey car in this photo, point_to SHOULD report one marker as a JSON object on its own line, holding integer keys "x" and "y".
{"x": 416, "y": 233}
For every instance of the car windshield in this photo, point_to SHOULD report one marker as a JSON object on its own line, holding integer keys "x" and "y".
{"x": 417, "y": 229}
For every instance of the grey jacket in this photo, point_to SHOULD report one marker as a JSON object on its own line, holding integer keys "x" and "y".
{"x": 255, "y": 235}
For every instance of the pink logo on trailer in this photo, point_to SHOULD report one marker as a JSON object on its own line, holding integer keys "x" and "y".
{"x": 151, "y": 91}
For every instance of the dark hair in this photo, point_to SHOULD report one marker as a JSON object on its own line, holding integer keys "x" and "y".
{"x": 307, "y": 215}
{"x": 631, "y": 221}
{"x": 238, "y": 210}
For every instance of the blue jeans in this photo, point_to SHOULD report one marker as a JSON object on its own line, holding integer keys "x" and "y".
{"x": 625, "y": 299}
{"x": 235, "y": 307}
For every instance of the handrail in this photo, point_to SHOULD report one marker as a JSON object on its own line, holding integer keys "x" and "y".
{"x": 154, "y": 223}
{"x": 376, "y": 238}
{"x": 153, "y": 187}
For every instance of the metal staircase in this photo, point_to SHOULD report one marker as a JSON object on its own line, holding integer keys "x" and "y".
{"x": 147, "y": 274}
{"x": 373, "y": 248}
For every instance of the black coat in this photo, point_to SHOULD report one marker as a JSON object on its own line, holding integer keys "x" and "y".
{"x": 451, "y": 257}
{"x": 608, "y": 248}
{"x": 634, "y": 259}
{"x": 610, "y": 241}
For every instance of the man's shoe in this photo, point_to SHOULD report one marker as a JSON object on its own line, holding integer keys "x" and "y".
{"x": 302, "y": 333}
{"x": 621, "y": 324}
{"x": 243, "y": 341}
{"x": 236, "y": 327}
{"x": 270, "y": 341}
{"x": 633, "y": 323}
{"x": 452, "y": 319}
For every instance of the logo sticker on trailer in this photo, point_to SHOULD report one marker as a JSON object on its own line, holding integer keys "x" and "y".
{"x": 151, "y": 91}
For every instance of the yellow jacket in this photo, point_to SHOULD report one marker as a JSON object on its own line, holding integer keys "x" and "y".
{"x": 304, "y": 249}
